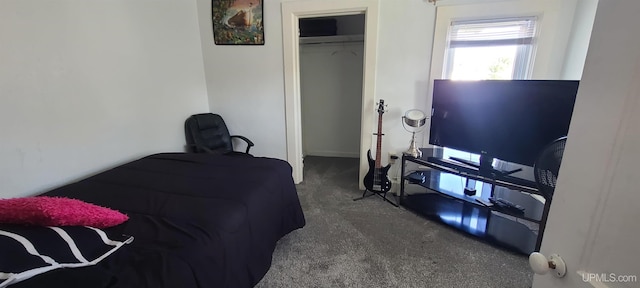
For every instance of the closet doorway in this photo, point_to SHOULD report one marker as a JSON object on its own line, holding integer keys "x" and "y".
{"x": 331, "y": 71}
{"x": 292, "y": 12}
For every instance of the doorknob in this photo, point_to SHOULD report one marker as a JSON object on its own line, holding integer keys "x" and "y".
{"x": 541, "y": 265}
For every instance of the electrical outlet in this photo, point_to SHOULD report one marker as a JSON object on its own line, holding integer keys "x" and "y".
{"x": 393, "y": 157}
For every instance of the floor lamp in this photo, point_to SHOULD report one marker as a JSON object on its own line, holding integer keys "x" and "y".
{"x": 413, "y": 121}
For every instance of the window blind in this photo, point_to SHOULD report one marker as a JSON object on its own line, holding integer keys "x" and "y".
{"x": 512, "y": 31}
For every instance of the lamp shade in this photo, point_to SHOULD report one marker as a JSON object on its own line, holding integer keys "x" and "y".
{"x": 415, "y": 118}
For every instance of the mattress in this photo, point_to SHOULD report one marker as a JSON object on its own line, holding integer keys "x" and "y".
{"x": 198, "y": 220}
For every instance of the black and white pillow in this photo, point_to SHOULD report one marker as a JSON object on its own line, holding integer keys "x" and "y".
{"x": 28, "y": 251}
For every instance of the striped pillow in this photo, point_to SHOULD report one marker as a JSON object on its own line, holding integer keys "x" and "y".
{"x": 27, "y": 251}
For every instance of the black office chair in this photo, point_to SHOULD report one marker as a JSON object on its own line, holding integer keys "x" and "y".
{"x": 546, "y": 169}
{"x": 207, "y": 133}
{"x": 547, "y": 166}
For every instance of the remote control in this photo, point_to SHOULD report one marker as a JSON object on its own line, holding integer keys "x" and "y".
{"x": 484, "y": 202}
{"x": 507, "y": 205}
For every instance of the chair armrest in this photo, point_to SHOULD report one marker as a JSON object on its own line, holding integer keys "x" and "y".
{"x": 245, "y": 139}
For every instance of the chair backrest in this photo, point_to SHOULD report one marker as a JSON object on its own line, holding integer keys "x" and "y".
{"x": 207, "y": 130}
{"x": 547, "y": 166}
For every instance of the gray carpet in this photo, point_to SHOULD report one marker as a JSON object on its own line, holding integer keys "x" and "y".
{"x": 370, "y": 243}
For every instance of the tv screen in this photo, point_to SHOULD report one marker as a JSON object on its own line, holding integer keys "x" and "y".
{"x": 512, "y": 120}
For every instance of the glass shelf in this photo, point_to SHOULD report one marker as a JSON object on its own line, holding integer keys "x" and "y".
{"x": 440, "y": 196}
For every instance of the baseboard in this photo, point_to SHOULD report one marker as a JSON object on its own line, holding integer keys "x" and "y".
{"x": 395, "y": 187}
{"x": 333, "y": 154}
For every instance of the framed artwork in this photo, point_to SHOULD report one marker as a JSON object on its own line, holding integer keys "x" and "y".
{"x": 237, "y": 22}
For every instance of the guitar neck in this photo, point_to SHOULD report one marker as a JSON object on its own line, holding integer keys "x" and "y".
{"x": 379, "y": 144}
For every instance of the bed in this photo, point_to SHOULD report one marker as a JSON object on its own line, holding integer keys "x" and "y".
{"x": 197, "y": 220}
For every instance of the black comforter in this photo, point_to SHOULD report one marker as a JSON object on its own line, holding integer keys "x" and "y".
{"x": 198, "y": 221}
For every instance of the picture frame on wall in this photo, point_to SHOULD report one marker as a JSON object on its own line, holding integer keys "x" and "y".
{"x": 238, "y": 22}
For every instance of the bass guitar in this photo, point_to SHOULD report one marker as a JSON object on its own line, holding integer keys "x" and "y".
{"x": 376, "y": 179}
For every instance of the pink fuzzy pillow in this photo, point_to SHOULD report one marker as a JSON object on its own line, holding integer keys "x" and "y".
{"x": 57, "y": 211}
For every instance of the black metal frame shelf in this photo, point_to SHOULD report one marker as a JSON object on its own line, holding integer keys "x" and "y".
{"x": 498, "y": 186}
{"x": 472, "y": 200}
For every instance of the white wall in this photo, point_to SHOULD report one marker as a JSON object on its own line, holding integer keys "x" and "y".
{"x": 86, "y": 85}
{"x": 574, "y": 18}
{"x": 245, "y": 83}
{"x": 579, "y": 39}
{"x": 554, "y": 24}
{"x": 404, "y": 57}
{"x": 331, "y": 98}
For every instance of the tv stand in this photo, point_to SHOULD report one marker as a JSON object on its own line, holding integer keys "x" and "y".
{"x": 485, "y": 167}
{"x": 504, "y": 210}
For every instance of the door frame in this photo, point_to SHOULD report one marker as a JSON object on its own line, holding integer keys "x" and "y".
{"x": 292, "y": 11}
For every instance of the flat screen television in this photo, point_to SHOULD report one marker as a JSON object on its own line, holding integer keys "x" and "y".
{"x": 512, "y": 120}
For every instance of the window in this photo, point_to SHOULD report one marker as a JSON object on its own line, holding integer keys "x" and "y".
{"x": 490, "y": 49}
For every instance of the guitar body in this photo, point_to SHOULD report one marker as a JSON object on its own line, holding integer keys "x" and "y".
{"x": 376, "y": 179}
